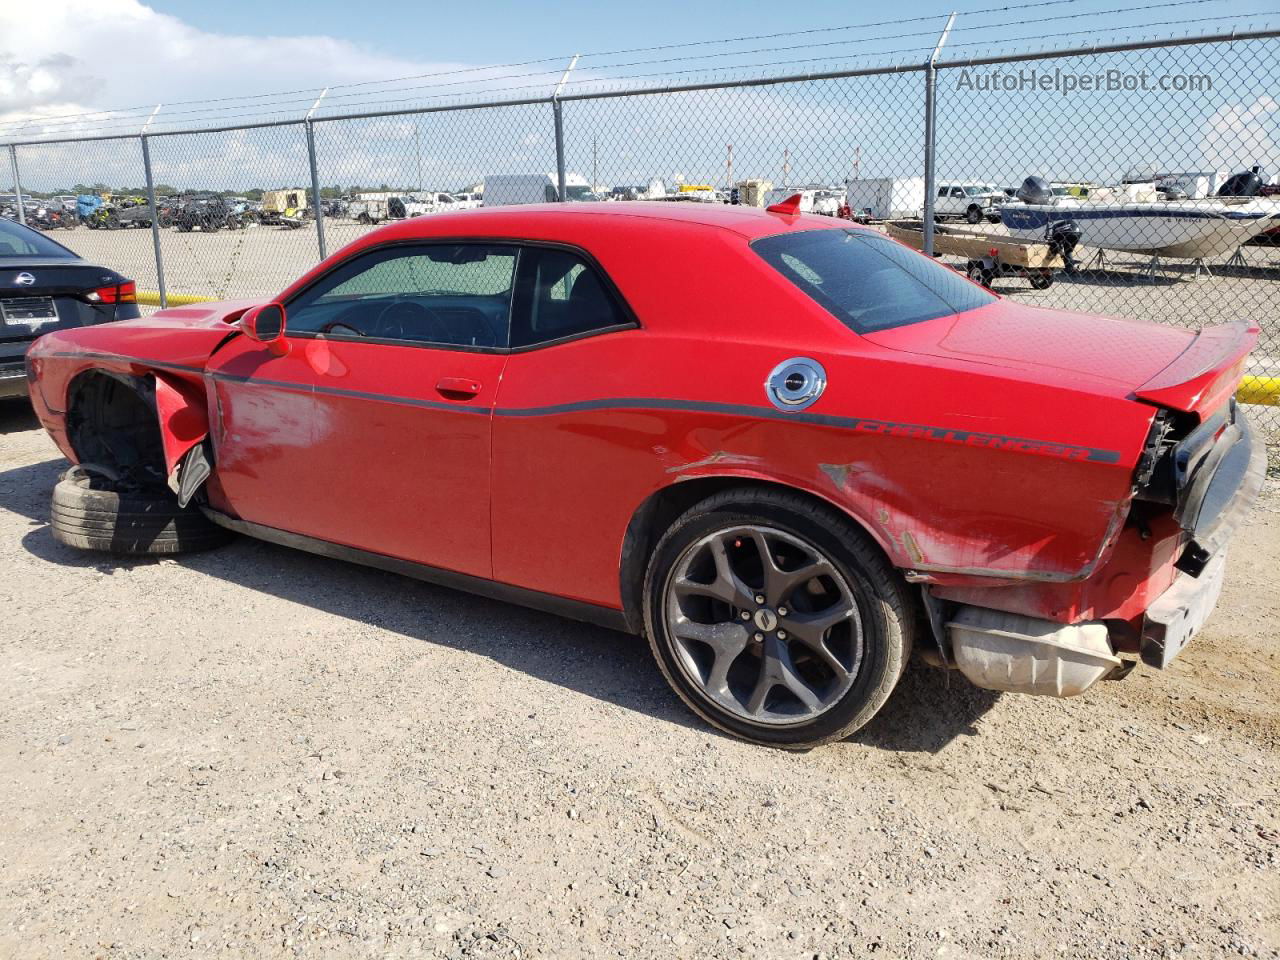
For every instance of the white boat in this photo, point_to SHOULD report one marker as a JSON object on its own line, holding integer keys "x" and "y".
{"x": 1131, "y": 218}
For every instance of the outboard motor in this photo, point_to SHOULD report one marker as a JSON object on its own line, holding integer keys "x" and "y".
{"x": 1035, "y": 190}
{"x": 1063, "y": 236}
{"x": 1247, "y": 183}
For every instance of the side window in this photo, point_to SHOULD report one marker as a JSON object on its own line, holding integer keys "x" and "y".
{"x": 957, "y": 192}
{"x": 942, "y": 191}
{"x": 560, "y": 295}
{"x": 449, "y": 294}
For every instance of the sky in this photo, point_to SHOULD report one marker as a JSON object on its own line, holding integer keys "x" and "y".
{"x": 502, "y": 30}
{"x": 238, "y": 61}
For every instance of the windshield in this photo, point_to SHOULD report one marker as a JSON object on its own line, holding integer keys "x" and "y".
{"x": 868, "y": 281}
{"x": 580, "y": 194}
{"x": 19, "y": 241}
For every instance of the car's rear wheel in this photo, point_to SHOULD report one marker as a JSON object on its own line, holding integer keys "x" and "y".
{"x": 776, "y": 619}
{"x": 90, "y": 514}
{"x": 973, "y": 215}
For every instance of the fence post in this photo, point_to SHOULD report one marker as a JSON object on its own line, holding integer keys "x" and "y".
{"x": 558, "y": 115}
{"x": 930, "y": 135}
{"x": 17, "y": 184}
{"x": 155, "y": 220}
{"x": 316, "y": 207}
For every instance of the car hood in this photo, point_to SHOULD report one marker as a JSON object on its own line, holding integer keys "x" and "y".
{"x": 1074, "y": 350}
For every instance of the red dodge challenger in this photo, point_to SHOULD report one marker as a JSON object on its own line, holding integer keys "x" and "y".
{"x": 782, "y": 447}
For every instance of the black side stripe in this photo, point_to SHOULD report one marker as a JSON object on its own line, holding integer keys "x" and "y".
{"x": 1049, "y": 448}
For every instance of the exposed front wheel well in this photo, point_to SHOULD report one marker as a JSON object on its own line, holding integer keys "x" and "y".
{"x": 112, "y": 427}
{"x": 656, "y": 515}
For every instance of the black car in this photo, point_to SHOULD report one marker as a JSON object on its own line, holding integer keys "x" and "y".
{"x": 43, "y": 287}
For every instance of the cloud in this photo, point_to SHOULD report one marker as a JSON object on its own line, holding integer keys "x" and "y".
{"x": 1241, "y": 135}
{"x": 82, "y": 56}
{"x": 95, "y": 55}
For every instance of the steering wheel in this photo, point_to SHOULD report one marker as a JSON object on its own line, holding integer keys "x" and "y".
{"x": 392, "y": 320}
{"x": 333, "y": 325}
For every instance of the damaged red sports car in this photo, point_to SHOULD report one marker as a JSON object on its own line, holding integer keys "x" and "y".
{"x": 782, "y": 447}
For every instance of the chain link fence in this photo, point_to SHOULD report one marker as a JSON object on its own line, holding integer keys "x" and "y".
{"x": 1133, "y": 143}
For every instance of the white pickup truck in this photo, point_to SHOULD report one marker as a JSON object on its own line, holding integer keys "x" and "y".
{"x": 968, "y": 200}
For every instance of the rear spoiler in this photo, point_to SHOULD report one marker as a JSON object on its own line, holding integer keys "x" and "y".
{"x": 1202, "y": 377}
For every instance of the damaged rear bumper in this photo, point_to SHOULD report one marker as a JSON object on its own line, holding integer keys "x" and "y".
{"x": 1023, "y": 654}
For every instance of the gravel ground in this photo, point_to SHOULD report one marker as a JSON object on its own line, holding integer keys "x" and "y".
{"x": 259, "y": 753}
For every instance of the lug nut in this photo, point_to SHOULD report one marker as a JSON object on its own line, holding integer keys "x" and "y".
{"x": 782, "y": 634}
{"x": 759, "y": 638}
{"x": 759, "y": 598}
{"x": 782, "y": 611}
{"x": 745, "y": 615}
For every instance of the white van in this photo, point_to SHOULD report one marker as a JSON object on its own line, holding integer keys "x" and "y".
{"x": 507, "y": 189}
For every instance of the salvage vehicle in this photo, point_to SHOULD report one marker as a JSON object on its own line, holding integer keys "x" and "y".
{"x": 52, "y": 216}
{"x": 43, "y": 287}
{"x": 785, "y": 462}
{"x": 284, "y": 208}
{"x": 971, "y": 201}
{"x": 207, "y": 213}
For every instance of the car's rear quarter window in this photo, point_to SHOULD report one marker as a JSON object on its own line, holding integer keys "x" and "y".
{"x": 868, "y": 281}
{"x": 19, "y": 241}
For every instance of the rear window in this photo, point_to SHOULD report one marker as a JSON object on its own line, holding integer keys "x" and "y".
{"x": 19, "y": 241}
{"x": 868, "y": 281}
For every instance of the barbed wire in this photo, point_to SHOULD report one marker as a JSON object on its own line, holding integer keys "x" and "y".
{"x": 126, "y": 125}
{"x": 204, "y": 111}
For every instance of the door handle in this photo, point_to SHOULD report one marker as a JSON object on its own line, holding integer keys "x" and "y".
{"x": 457, "y": 388}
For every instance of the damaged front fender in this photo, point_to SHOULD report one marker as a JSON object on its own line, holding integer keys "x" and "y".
{"x": 183, "y": 414}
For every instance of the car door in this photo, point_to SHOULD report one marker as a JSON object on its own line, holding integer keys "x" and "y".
{"x": 571, "y": 332}
{"x": 401, "y": 349}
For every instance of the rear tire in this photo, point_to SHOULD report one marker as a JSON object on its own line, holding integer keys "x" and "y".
{"x": 973, "y": 215}
{"x": 810, "y": 664}
{"x": 89, "y": 515}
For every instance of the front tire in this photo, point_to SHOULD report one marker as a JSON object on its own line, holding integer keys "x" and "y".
{"x": 88, "y": 514}
{"x": 775, "y": 619}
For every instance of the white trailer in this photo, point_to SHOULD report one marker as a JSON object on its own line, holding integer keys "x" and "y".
{"x": 885, "y": 198}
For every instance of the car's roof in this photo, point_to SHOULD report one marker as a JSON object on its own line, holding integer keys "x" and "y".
{"x": 749, "y": 222}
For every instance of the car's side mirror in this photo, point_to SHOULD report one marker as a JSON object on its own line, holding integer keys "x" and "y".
{"x": 265, "y": 324}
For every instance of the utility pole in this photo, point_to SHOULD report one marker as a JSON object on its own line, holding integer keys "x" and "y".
{"x": 786, "y": 166}
{"x": 728, "y": 168}
{"x": 595, "y": 177}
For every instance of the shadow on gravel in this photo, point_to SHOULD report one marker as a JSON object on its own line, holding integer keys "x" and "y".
{"x": 16, "y": 416}
{"x": 26, "y": 490}
{"x": 926, "y": 712}
{"x": 928, "y": 709}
